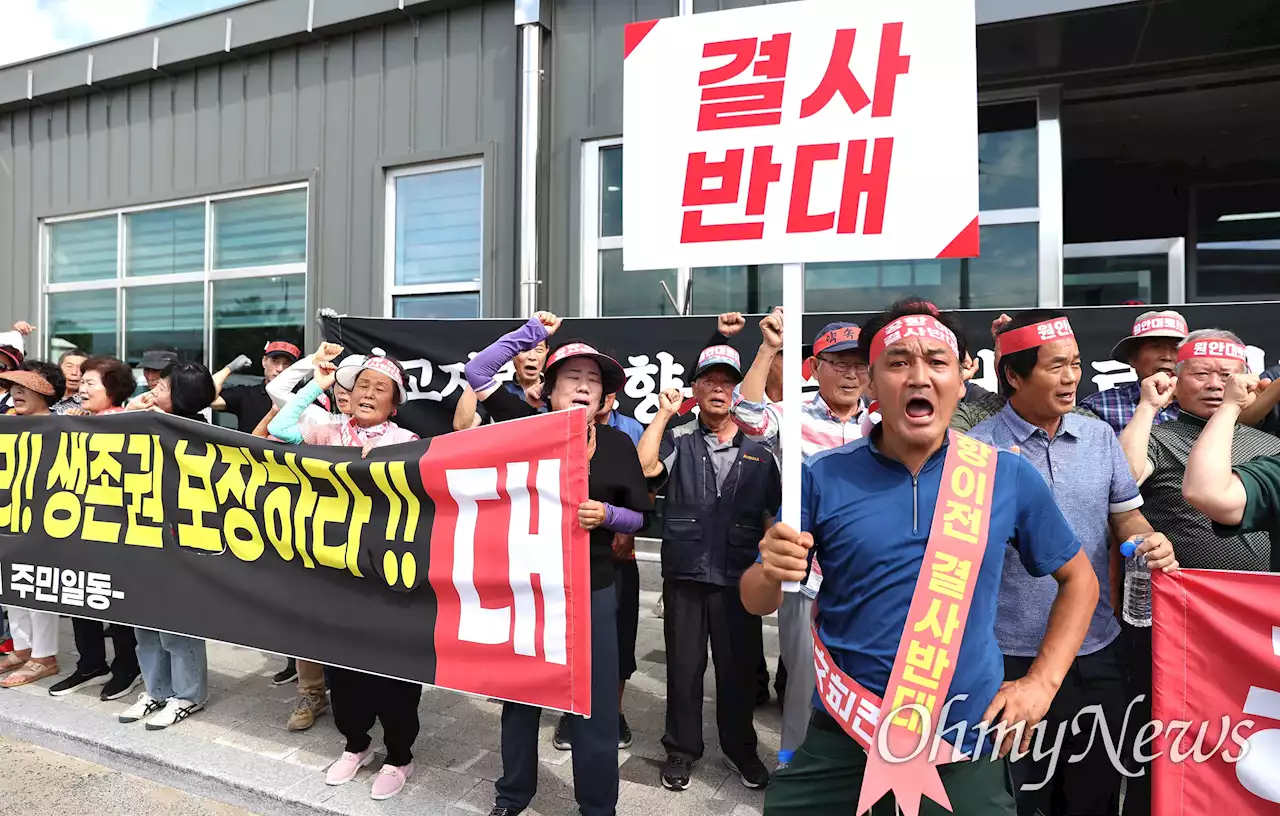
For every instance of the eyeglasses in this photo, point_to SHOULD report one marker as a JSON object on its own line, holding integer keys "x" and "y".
{"x": 844, "y": 366}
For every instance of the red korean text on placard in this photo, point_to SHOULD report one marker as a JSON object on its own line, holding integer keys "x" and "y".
{"x": 764, "y": 171}
{"x": 754, "y": 104}
{"x": 744, "y": 104}
{"x": 839, "y": 78}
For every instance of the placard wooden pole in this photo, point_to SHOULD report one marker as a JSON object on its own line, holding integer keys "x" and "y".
{"x": 792, "y": 379}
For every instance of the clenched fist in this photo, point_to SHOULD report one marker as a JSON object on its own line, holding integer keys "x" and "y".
{"x": 1157, "y": 390}
{"x": 730, "y": 323}
{"x": 1242, "y": 389}
{"x": 669, "y": 401}
{"x": 549, "y": 320}
{"x": 784, "y": 554}
{"x": 590, "y": 515}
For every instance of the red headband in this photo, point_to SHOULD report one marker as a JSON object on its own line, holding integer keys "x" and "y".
{"x": 1029, "y": 337}
{"x": 1154, "y": 324}
{"x": 1213, "y": 349}
{"x": 916, "y": 325}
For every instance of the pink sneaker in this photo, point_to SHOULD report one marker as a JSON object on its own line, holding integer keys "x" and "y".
{"x": 390, "y": 781}
{"x": 347, "y": 766}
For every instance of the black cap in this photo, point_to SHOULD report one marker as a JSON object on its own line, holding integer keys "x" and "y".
{"x": 158, "y": 359}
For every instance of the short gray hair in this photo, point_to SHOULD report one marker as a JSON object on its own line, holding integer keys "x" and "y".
{"x": 1208, "y": 334}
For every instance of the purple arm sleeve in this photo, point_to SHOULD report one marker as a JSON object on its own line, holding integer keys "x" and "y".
{"x": 622, "y": 520}
{"x": 483, "y": 368}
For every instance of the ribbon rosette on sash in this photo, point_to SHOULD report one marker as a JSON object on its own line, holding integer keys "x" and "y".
{"x": 898, "y": 730}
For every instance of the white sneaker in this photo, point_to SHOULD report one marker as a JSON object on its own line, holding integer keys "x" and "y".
{"x": 174, "y": 712}
{"x": 145, "y": 707}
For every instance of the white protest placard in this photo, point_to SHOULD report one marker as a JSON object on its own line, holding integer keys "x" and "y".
{"x": 819, "y": 130}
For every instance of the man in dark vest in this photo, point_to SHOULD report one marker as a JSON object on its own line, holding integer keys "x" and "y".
{"x": 721, "y": 488}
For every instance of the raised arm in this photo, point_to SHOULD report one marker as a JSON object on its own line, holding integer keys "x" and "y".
{"x": 650, "y": 447}
{"x": 465, "y": 415}
{"x": 220, "y": 376}
{"x": 287, "y": 425}
{"x": 282, "y": 388}
{"x": 1135, "y": 439}
{"x": 750, "y": 413}
{"x": 482, "y": 370}
{"x": 1209, "y": 485}
{"x": 1268, "y": 398}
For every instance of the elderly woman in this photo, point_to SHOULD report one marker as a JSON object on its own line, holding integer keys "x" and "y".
{"x": 33, "y": 390}
{"x": 105, "y": 384}
{"x": 577, "y": 376}
{"x": 175, "y": 668}
{"x": 376, "y": 386}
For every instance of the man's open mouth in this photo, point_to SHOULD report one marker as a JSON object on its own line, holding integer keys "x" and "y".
{"x": 919, "y": 408}
{"x": 1065, "y": 396}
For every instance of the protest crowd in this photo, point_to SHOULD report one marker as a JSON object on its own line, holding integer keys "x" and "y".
{"x": 900, "y": 449}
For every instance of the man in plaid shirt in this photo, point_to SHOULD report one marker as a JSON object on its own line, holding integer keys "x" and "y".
{"x": 1150, "y": 349}
{"x": 832, "y": 417}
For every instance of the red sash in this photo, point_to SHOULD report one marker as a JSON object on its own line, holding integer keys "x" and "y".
{"x": 930, "y": 644}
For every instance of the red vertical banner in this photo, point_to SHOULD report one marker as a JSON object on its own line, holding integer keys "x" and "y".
{"x": 509, "y": 564}
{"x": 1216, "y": 687}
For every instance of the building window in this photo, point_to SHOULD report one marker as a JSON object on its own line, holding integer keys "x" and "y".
{"x": 1006, "y": 276}
{"x": 1237, "y": 242}
{"x": 434, "y": 240}
{"x": 212, "y": 277}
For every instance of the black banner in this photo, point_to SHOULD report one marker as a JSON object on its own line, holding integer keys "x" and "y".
{"x": 658, "y": 352}
{"x": 399, "y": 564}
{"x": 171, "y": 524}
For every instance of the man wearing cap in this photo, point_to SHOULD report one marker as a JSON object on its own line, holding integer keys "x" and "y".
{"x": 1089, "y": 478}
{"x": 154, "y": 362}
{"x": 721, "y": 487}
{"x": 1152, "y": 347}
{"x": 250, "y": 403}
{"x": 831, "y": 418}
{"x": 1159, "y": 458}
{"x": 908, "y": 600}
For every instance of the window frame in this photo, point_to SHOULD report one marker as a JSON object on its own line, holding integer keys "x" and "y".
{"x": 1047, "y": 215}
{"x": 390, "y": 289}
{"x": 592, "y": 243}
{"x": 122, "y": 282}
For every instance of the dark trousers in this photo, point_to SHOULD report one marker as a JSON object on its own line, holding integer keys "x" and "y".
{"x": 1091, "y": 786}
{"x": 358, "y": 699}
{"x": 1137, "y": 795}
{"x": 626, "y": 583}
{"x": 694, "y": 612}
{"x": 825, "y": 777}
{"x": 91, "y": 643}
{"x": 595, "y": 740}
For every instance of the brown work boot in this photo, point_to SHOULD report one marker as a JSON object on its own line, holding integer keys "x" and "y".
{"x": 308, "y": 707}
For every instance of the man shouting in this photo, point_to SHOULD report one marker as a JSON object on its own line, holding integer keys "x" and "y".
{"x": 867, "y": 514}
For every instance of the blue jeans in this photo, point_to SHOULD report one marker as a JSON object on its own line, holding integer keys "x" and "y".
{"x": 173, "y": 666}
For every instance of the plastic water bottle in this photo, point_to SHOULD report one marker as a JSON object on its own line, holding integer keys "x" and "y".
{"x": 1137, "y": 585}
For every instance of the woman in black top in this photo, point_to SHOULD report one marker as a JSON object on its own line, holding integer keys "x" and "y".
{"x": 577, "y": 376}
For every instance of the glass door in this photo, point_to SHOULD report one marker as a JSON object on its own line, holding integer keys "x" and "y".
{"x": 1117, "y": 273}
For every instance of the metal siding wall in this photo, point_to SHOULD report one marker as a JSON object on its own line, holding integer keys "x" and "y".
{"x": 338, "y": 108}
{"x": 585, "y": 86}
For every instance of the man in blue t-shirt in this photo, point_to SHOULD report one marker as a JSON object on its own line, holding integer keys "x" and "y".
{"x": 866, "y": 514}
